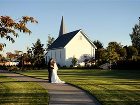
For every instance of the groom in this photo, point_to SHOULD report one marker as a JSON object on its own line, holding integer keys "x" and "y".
{"x": 50, "y": 69}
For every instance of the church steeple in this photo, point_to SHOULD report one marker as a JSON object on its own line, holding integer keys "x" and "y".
{"x": 62, "y": 28}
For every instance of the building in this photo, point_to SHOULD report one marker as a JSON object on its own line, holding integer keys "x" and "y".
{"x": 70, "y": 45}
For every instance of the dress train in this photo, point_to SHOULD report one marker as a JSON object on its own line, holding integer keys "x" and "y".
{"x": 55, "y": 78}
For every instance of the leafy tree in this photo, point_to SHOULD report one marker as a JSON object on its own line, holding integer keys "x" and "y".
{"x": 123, "y": 54}
{"x": 9, "y": 27}
{"x": 18, "y": 54}
{"x": 10, "y": 56}
{"x": 116, "y": 46}
{"x": 30, "y": 55}
{"x": 74, "y": 61}
{"x": 135, "y": 36}
{"x": 26, "y": 58}
{"x": 100, "y": 55}
{"x": 112, "y": 55}
{"x": 98, "y": 44}
{"x": 38, "y": 54}
{"x": 132, "y": 52}
{"x": 119, "y": 49}
{"x": 100, "y": 52}
{"x": 2, "y": 58}
{"x": 50, "y": 40}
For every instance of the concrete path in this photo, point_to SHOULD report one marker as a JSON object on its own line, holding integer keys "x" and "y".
{"x": 60, "y": 94}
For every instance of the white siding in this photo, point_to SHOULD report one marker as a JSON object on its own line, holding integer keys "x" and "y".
{"x": 78, "y": 47}
{"x": 58, "y": 54}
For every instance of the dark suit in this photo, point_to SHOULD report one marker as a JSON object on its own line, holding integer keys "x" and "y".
{"x": 50, "y": 68}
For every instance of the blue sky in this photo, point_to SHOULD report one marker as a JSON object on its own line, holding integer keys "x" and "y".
{"x": 103, "y": 20}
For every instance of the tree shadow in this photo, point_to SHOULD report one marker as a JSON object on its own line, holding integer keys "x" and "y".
{"x": 24, "y": 98}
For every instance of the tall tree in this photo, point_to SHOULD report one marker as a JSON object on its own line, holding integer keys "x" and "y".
{"x": 123, "y": 53}
{"x": 30, "y": 55}
{"x": 101, "y": 55}
{"x": 99, "y": 52}
{"x": 98, "y": 44}
{"x": 38, "y": 54}
{"x": 50, "y": 40}
{"x": 135, "y": 36}
{"x": 9, "y": 27}
{"x": 132, "y": 52}
{"x": 113, "y": 52}
{"x": 119, "y": 49}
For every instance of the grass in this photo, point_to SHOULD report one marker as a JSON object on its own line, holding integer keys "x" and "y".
{"x": 13, "y": 92}
{"x": 109, "y": 87}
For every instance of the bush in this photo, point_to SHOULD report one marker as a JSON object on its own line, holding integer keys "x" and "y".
{"x": 127, "y": 65}
{"x": 11, "y": 68}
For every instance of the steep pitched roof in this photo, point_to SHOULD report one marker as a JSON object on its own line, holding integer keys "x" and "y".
{"x": 63, "y": 40}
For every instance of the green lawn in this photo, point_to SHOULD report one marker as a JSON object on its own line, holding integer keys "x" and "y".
{"x": 13, "y": 92}
{"x": 109, "y": 87}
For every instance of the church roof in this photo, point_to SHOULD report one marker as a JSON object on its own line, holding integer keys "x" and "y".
{"x": 63, "y": 40}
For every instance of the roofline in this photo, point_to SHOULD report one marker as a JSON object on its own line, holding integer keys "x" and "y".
{"x": 88, "y": 38}
{"x": 55, "y": 48}
{"x": 80, "y": 30}
{"x": 73, "y": 37}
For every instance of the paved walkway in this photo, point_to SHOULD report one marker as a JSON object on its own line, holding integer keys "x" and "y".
{"x": 60, "y": 94}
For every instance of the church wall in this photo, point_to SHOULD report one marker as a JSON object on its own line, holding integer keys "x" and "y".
{"x": 58, "y": 54}
{"x": 78, "y": 47}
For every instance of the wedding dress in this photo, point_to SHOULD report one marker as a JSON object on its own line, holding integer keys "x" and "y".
{"x": 55, "y": 78}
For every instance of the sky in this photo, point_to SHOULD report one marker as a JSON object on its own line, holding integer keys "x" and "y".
{"x": 103, "y": 20}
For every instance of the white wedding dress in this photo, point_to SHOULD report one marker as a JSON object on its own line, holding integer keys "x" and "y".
{"x": 55, "y": 78}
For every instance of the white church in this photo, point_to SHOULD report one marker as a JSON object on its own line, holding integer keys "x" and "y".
{"x": 67, "y": 46}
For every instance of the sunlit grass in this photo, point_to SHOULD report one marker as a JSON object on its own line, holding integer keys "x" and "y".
{"x": 109, "y": 87}
{"x": 13, "y": 92}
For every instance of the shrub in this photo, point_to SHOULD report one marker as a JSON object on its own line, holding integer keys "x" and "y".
{"x": 127, "y": 65}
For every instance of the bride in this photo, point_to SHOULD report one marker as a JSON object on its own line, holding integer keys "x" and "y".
{"x": 54, "y": 77}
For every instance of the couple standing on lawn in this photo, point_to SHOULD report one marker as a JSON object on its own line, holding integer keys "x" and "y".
{"x": 52, "y": 72}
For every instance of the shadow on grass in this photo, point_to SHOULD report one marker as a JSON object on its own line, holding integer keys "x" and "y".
{"x": 115, "y": 74}
{"x": 22, "y": 93}
{"x": 24, "y": 98}
{"x": 121, "y": 102}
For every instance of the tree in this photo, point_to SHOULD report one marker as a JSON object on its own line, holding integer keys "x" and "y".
{"x": 123, "y": 53}
{"x": 98, "y": 44}
{"x": 99, "y": 52}
{"x": 132, "y": 52}
{"x": 74, "y": 61}
{"x": 10, "y": 56}
{"x": 135, "y": 36}
{"x": 100, "y": 55}
{"x": 18, "y": 54}
{"x": 119, "y": 49}
{"x": 9, "y": 27}
{"x": 112, "y": 52}
{"x": 30, "y": 55}
{"x": 2, "y": 58}
{"x": 50, "y": 40}
{"x": 38, "y": 54}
